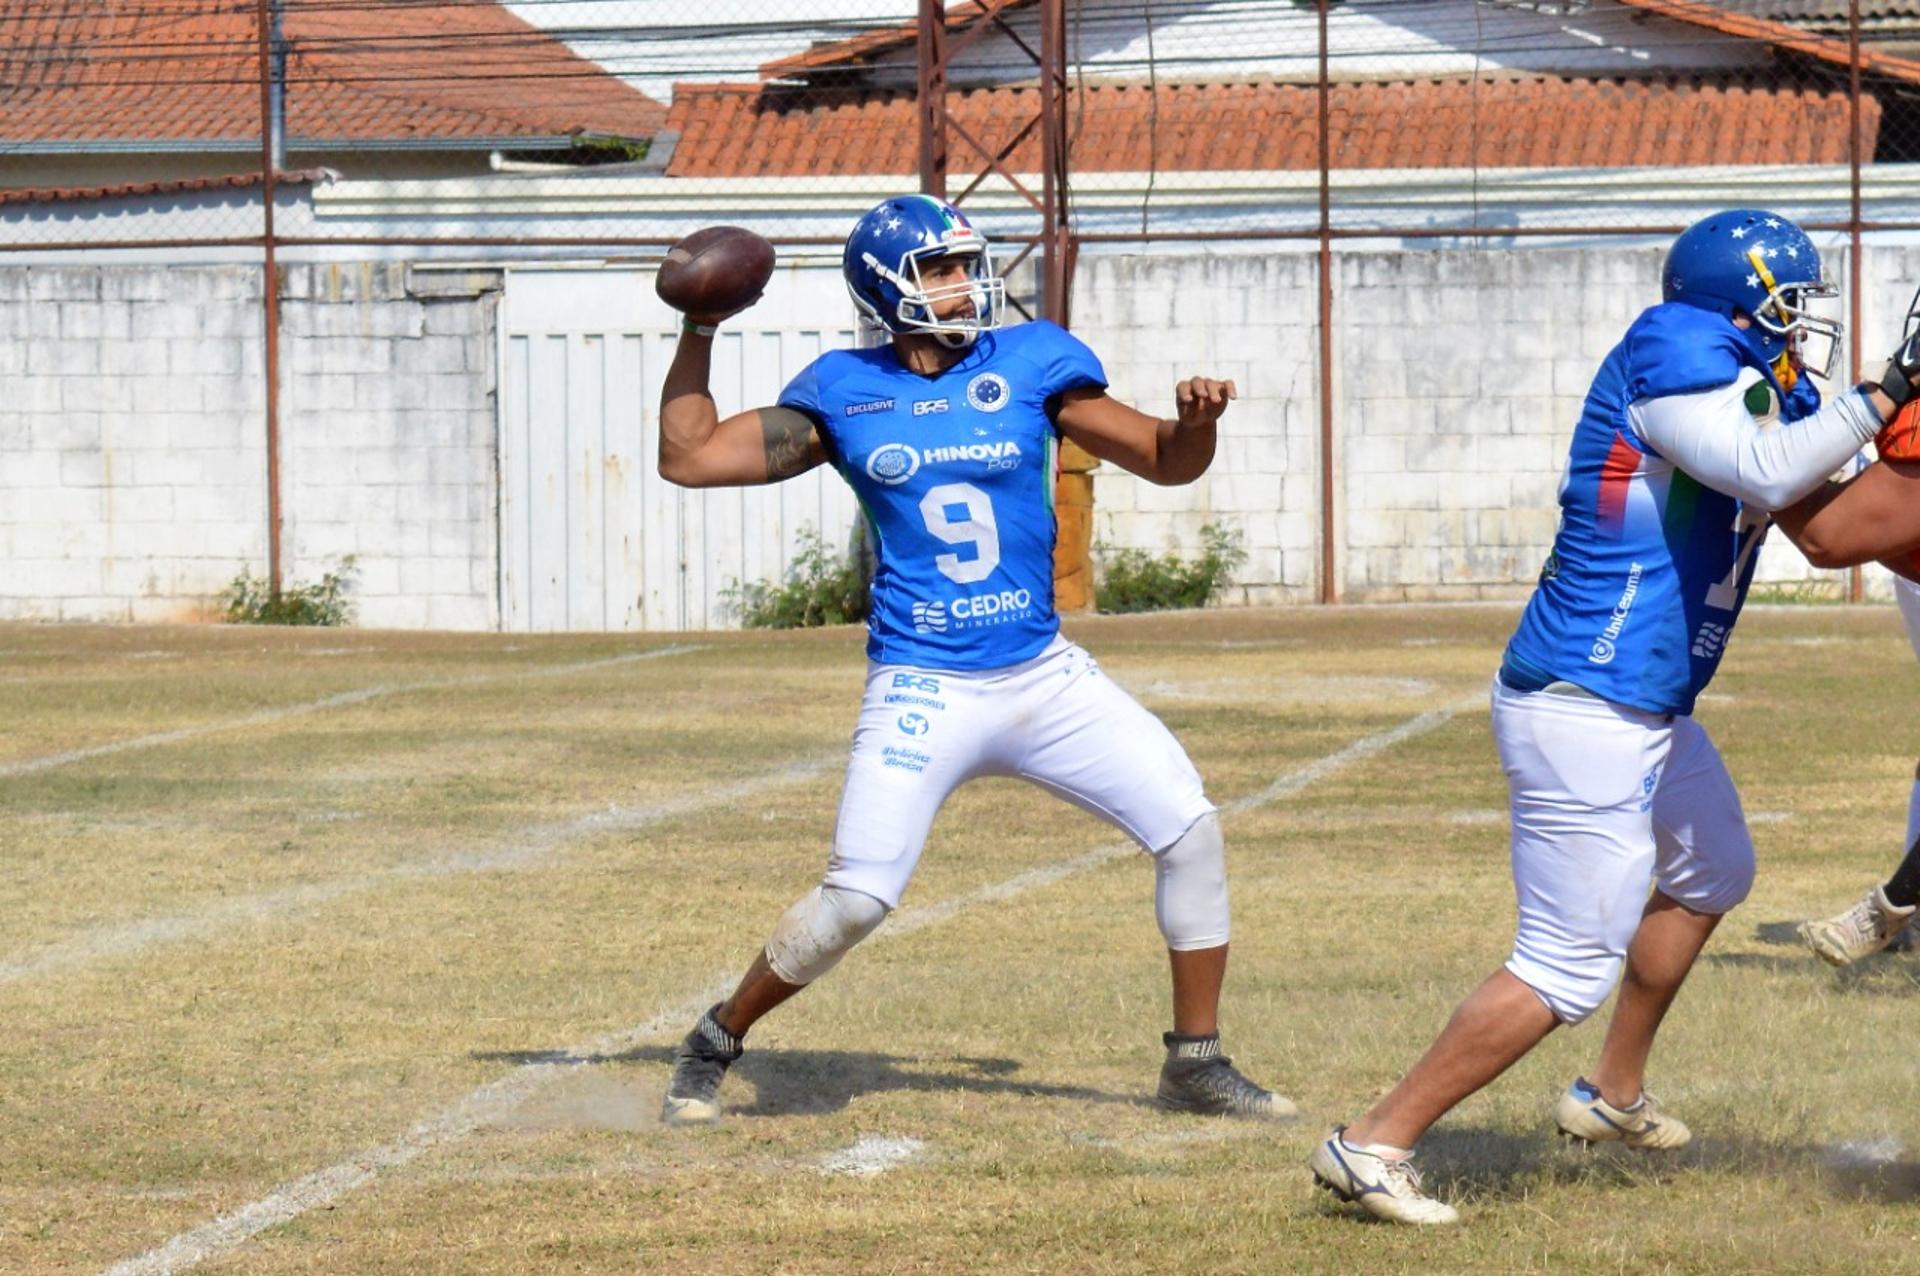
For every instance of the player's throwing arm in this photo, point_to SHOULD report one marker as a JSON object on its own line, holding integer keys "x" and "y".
{"x": 711, "y": 276}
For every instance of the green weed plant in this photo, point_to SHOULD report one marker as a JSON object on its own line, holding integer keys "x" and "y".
{"x": 1133, "y": 580}
{"x": 821, "y": 588}
{"x": 249, "y": 600}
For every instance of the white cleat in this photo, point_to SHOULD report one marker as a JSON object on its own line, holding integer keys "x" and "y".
{"x": 1386, "y": 1187}
{"x": 1861, "y": 931}
{"x": 1586, "y": 1118}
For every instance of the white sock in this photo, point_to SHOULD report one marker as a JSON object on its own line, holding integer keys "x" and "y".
{"x": 1386, "y": 1151}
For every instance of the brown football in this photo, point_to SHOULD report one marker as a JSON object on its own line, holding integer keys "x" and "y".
{"x": 715, "y": 271}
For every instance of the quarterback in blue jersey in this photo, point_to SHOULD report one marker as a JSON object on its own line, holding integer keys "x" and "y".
{"x": 1628, "y": 841}
{"x": 947, "y": 434}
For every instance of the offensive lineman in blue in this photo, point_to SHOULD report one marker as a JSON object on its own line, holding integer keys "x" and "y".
{"x": 947, "y": 435}
{"x": 1677, "y": 463}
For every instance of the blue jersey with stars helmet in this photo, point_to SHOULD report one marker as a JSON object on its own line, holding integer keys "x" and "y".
{"x": 1650, "y": 568}
{"x": 955, "y": 473}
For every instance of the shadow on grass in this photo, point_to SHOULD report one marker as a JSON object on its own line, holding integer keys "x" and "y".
{"x": 810, "y": 1082}
{"x": 1471, "y": 1164}
{"x": 1888, "y": 974}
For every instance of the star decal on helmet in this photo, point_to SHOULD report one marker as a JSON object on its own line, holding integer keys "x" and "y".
{"x": 1760, "y": 264}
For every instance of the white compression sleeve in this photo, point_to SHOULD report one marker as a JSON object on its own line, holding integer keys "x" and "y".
{"x": 1190, "y": 888}
{"x": 1713, "y": 437}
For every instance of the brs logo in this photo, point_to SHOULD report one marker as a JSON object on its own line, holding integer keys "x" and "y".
{"x": 916, "y": 682}
{"x": 927, "y": 407}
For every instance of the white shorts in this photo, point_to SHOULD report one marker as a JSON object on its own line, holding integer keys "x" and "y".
{"x": 1606, "y": 801}
{"x": 1055, "y": 720}
{"x": 1908, "y": 595}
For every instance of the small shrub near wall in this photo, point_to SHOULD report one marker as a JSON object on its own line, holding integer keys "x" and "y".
{"x": 821, "y": 588}
{"x": 1134, "y": 580}
{"x": 249, "y": 600}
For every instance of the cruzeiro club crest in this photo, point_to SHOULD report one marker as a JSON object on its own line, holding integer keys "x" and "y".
{"x": 892, "y": 464}
{"x": 989, "y": 392}
{"x": 930, "y": 618}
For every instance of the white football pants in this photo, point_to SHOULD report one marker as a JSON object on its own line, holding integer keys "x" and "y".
{"x": 1607, "y": 801}
{"x": 1055, "y": 720}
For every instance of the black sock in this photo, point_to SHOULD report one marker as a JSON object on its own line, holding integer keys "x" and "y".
{"x": 1903, "y": 888}
{"x": 1182, "y": 1045}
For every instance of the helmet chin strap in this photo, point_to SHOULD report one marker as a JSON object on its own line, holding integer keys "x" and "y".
{"x": 957, "y": 340}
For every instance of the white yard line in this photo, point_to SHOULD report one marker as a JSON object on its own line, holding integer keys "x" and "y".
{"x": 29, "y": 766}
{"x": 869, "y": 1155}
{"x": 523, "y": 848}
{"x": 493, "y": 1101}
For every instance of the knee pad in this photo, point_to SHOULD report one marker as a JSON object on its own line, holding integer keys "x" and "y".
{"x": 1572, "y": 989}
{"x": 822, "y": 926}
{"x": 1190, "y": 888}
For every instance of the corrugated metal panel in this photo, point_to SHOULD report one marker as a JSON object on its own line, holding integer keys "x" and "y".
{"x": 1834, "y": 11}
{"x": 591, "y": 537}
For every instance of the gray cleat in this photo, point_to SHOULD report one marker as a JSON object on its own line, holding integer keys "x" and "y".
{"x": 1198, "y": 1078}
{"x": 698, "y": 1066}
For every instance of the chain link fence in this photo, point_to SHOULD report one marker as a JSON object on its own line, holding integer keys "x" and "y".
{"x": 1410, "y": 227}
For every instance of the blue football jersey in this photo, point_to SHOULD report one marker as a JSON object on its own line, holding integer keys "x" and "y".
{"x": 1650, "y": 568}
{"x": 955, "y": 473}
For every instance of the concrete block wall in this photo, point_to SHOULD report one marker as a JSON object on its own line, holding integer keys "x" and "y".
{"x": 1458, "y": 378}
{"x": 132, "y": 467}
{"x": 133, "y": 456}
{"x": 132, "y": 459}
{"x": 1155, "y": 319}
{"x": 387, "y": 438}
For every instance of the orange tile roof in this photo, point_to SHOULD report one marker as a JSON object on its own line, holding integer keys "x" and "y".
{"x": 182, "y": 186}
{"x": 746, "y": 130}
{"x": 128, "y": 72}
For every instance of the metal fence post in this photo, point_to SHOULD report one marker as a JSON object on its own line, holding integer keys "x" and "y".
{"x": 270, "y": 294}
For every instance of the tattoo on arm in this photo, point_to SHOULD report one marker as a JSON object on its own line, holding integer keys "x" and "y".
{"x": 788, "y": 437}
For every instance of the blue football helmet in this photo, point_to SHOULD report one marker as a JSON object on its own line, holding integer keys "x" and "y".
{"x": 882, "y": 267}
{"x": 1759, "y": 264}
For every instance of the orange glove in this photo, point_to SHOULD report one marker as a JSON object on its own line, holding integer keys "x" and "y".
{"x": 1899, "y": 439}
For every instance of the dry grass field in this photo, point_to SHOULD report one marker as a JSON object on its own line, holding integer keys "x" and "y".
{"x": 356, "y": 952}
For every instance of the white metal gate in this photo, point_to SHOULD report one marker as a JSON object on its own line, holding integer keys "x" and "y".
{"x": 591, "y": 538}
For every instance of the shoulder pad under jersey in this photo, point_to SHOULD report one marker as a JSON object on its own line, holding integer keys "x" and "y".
{"x": 1681, "y": 349}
